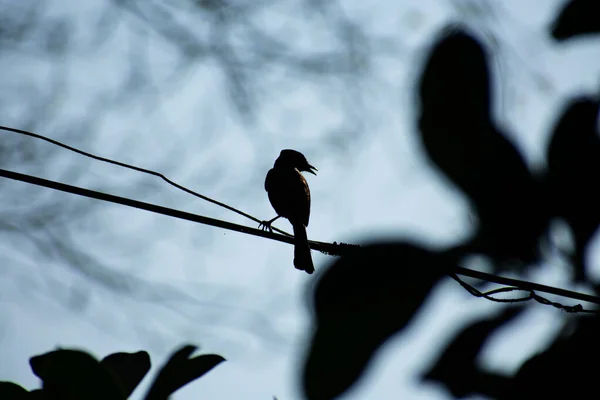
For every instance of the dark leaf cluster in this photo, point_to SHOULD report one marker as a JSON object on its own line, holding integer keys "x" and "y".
{"x": 373, "y": 292}
{"x": 73, "y": 374}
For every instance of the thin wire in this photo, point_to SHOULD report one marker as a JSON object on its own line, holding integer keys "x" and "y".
{"x": 319, "y": 246}
{"x": 531, "y": 295}
{"x": 133, "y": 167}
{"x": 141, "y": 205}
{"x": 335, "y": 249}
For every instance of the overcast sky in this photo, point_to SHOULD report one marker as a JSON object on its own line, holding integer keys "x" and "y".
{"x": 238, "y": 295}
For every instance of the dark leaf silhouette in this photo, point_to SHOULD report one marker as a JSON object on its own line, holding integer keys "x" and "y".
{"x": 181, "y": 370}
{"x": 574, "y": 173}
{"x": 12, "y": 391}
{"x": 577, "y": 18}
{"x": 73, "y": 374}
{"x": 362, "y": 300}
{"x": 128, "y": 369}
{"x": 567, "y": 370}
{"x": 456, "y": 367}
{"x": 455, "y": 84}
{"x": 461, "y": 139}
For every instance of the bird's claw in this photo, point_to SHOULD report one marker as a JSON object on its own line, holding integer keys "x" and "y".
{"x": 264, "y": 225}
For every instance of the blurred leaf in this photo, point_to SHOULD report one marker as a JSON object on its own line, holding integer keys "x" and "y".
{"x": 578, "y": 17}
{"x": 361, "y": 301}
{"x": 456, "y": 368}
{"x": 456, "y": 83}
{"x": 73, "y": 374}
{"x": 567, "y": 369}
{"x": 463, "y": 142}
{"x": 574, "y": 172}
{"x": 128, "y": 368}
{"x": 12, "y": 391}
{"x": 181, "y": 370}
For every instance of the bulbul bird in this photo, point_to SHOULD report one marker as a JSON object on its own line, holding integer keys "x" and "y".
{"x": 290, "y": 197}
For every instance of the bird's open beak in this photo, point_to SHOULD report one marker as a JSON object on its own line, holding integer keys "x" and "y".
{"x": 310, "y": 169}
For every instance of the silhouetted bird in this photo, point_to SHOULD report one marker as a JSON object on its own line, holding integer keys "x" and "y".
{"x": 290, "y": 197}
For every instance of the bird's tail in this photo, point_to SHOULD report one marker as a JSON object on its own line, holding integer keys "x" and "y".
{"x": 302, "y": 257}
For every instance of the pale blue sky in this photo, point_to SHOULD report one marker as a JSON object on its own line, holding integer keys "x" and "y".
{"x": 245, "y": 300}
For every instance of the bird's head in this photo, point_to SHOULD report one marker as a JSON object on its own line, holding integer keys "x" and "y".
{"x": 294, "y": 159}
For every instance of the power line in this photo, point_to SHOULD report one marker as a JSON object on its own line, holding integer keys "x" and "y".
{"x": 133, "y": 167}
{"x": 142, "y": 205}
{"x": 336, "y": 249}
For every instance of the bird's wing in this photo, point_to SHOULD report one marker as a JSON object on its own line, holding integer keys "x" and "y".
{"x": 289, "y": 194}
{"x": 269, "y": 180}
{"x": 305, "y": 203}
